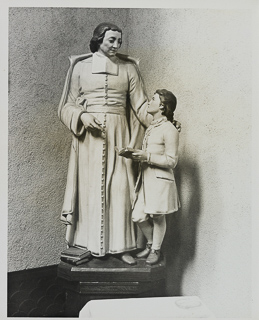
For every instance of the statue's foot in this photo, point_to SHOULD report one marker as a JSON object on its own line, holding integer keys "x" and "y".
{"x": 145, "y": 252}
{"x": 127, "y": 258}
{"x": 153, "y": 257}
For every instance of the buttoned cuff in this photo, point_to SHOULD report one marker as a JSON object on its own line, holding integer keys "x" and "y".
{"x": 148, "y": 157}
{"x": 76, "y": 125}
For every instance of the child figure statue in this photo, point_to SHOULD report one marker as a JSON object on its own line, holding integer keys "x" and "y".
{"x": 156, "y": 191}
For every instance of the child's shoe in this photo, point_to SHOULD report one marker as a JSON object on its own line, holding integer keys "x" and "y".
{"x": 145, "y": 252}
{"x": 153, "y": 257}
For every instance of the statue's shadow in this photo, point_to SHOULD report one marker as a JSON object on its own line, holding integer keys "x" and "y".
{"x": 181, "y": 236}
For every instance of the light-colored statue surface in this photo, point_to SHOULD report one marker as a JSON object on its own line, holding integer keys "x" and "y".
{"x": 104, "y": 106}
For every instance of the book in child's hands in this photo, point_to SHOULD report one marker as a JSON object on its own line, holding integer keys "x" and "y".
{"x": 125, "y": 152}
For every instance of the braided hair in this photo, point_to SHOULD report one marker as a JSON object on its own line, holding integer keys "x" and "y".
{"x": 168, "y": 103}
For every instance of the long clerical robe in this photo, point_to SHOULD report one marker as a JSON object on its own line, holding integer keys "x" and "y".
{"x": 100, "y": 184}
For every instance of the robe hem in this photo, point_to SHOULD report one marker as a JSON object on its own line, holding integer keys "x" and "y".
{"x": 162, "y": 212}
{"x": 113, "y": 252}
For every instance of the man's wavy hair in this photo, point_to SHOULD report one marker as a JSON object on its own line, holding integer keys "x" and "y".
{"x": 99, "y": 33}
{"x": 168, "y": 103}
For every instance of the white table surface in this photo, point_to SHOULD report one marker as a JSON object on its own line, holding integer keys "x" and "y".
{"x": 141, "y": 308}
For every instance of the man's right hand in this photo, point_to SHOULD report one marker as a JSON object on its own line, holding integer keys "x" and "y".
{"x": 90, "y": 122}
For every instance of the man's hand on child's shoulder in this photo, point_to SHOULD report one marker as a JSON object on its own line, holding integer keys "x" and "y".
{"x": 178, "y": 125}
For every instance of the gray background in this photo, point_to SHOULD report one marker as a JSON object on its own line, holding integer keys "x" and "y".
{"x": 205, "y": 57}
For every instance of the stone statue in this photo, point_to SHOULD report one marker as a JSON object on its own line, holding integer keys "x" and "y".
{"x": 104, "y": 106}
{"x": 156, "y": 192}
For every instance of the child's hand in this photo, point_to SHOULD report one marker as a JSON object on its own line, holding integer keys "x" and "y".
{"x": 139, "y": 155}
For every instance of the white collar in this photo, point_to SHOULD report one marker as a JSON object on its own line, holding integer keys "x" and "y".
{"x": 103, "y": 64}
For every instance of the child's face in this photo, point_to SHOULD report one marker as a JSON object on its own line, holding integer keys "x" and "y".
{"x": 153, "y": 105}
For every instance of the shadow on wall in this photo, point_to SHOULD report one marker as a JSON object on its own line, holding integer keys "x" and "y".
{"x": 180, "y": 241}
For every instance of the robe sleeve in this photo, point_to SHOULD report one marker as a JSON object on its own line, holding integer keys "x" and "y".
{"x": 137, "y": 95}
{"x": 139, "y": 118}
{"x": 170, "y": 157}
{"x": 71, "y": 111}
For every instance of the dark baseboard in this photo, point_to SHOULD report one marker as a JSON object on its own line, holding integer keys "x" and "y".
{"x": 35, "y": 293}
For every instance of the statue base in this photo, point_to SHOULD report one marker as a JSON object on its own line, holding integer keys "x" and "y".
{"x": 109, "y": 278}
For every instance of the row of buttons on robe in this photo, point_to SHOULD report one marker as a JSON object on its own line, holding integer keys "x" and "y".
{"x": 106, "y": 88}
{"x": 103, "y": 165}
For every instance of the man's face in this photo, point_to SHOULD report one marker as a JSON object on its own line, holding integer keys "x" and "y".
{"x": 111, "y": 43}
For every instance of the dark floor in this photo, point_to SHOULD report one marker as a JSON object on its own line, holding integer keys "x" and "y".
{"x": 35, "y": 293}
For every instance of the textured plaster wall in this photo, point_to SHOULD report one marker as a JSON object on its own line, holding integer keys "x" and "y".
{"x": 204, "y": 57}
{"x": 40, "y": 41}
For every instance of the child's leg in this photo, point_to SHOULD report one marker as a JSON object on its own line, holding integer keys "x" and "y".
{"x": 141, "y": 218}
{"x": 158, "y": 237}
{"x": 159, "y": 231}
{"x": 147, "y": 230}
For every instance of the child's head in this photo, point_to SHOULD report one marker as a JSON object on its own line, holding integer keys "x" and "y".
{"x": 168, "y": 103}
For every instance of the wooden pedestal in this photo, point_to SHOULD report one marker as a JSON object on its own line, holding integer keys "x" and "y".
{"x": 109, "y": 278}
